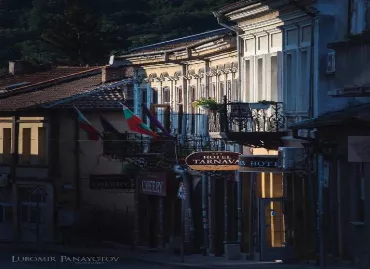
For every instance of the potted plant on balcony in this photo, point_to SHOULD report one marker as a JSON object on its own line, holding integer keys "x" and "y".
{"x": 207, "y": 104}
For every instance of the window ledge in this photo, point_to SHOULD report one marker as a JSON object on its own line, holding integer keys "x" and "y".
{"x": 357, "y": 223}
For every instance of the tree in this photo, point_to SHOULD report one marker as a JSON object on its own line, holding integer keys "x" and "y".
{"x": 80, "y": 36}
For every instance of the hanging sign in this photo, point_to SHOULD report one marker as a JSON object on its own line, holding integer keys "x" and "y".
{"x": 213, "y": 161}
{"x": 258, "y": 163}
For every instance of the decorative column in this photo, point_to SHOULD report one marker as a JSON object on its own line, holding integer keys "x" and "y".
{"x": 149, "y": 95}
{"x": 138, "y": 100}
{"x": 205, "y": 211}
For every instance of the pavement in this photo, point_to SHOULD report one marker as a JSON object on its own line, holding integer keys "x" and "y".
{"x": 128, "y": 258}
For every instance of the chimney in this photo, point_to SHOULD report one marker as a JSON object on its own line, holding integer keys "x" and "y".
{"x": 17, "y": 67}
{"x": 110, "y": 73}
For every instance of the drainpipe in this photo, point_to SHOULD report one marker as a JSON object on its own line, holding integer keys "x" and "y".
{"x": 237, "y": 31}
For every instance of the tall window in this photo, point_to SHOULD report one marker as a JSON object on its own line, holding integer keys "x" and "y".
{"x": 304, "y": 87}
{"x": 145, "y": 97}
{"x": 247, "y": 79}
{"x": 166, "y": 95}
{"x": 42, "y": 145}
{"x": 274, "y": 78}
{"x": 289, "y": 83}
{"x": 203, "y": 91}
{"x": 179, "y": 94}
{"x": 155, "y": 96}
{"x": 221, "y": 91}
{"x": 259, "y": 93}
{"x": 26, "y": 146}
{"x": 213, "y": 91}
{"x": 7, "y": 145}
{"x": 193, "y": 116}
{"x": 229, "y": 92}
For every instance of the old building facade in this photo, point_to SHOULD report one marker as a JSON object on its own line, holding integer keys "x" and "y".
{"x": 46, "y": 175}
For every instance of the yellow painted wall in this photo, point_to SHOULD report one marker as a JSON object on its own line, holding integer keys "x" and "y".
{"x": 92, "y": 162}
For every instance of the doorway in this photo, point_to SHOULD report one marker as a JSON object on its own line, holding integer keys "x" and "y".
{"x": 273, "y": 236}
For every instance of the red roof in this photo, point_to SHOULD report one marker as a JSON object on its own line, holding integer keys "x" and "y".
{"x": 49, "y": 94}
{"x": 12, "y": 82}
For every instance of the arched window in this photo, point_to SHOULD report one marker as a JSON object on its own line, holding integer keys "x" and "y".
{"x": 166, "y": 95}
{"x": 179, "y": 94}
{"x": 155, "y": 96}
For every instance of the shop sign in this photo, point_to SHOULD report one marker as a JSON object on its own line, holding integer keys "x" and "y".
{"x": 258, "y": 163}
{"x": 213, "y": 161}
{"x": 153, "y": 183}
{"x": 111, "y": 181}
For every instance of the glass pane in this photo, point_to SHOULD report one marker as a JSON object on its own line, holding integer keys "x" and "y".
{"x": 274, "y": 78}
{"x": 260, "y": 80}
{"x": 274, "y": 225}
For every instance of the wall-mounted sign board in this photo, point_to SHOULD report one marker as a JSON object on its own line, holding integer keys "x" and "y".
{"x": 258, "y": 163}
{"x": 213, "y": 161}
{"x": 153, "y": 183}
{"x": 111, "y": 181}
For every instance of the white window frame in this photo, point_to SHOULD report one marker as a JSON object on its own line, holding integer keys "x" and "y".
{"x": 254, "y": 50}
{"x": 299, "y": 80}
{"x": 294, "y": 81}
{"x": 263, "y": 86}
{"x": 265, "y": 49}
{"x": 268, "y": 90}
{"x": 278, "y": 48}
{"x": 248, "y": 94}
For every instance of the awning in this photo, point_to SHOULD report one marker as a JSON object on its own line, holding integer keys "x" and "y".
{"x": 360, "y": 113}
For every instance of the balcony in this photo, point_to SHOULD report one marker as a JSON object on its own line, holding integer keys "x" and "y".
{"x": 352, "y": 66}
{"x": 251, "y": 124}
{"x": 162, "y": 153}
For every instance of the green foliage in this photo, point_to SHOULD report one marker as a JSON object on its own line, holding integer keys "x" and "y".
{"x": 78, "y": 32}
{"x": 207, "y": 103}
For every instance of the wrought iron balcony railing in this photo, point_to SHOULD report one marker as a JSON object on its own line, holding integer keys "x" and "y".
{"x": 265, "y": 116}
{"x": 167, "y": 149}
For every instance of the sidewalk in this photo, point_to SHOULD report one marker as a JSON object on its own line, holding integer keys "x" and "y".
{"x": 159, "y": 257}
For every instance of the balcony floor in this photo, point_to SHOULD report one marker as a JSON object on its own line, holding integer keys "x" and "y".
{"x": 268, "y": 140}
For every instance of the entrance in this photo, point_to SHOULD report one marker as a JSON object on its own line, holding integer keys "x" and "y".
{"x": 35, "y": 202}
{"x": 272, "y": 230}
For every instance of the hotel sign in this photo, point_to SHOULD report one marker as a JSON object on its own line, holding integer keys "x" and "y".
{"x": 258, "y": 163}
{"x": 153, "y": 183}
{"x": 213, "y": 161}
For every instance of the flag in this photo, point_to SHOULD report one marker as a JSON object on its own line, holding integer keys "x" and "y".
{"x": 108, "y": 128}
{"x": 85, "y": 125}
{"x": 155, "y": 122}
{"x": 135, "y": 123}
